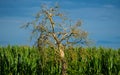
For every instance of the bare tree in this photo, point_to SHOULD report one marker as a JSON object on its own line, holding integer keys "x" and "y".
{"x": 54, "y": 29}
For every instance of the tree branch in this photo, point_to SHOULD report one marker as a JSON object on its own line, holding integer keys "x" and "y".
{"x": 51, "y": 20}
{"x": 65, "y": 36}
{"x": 55, "y": 37}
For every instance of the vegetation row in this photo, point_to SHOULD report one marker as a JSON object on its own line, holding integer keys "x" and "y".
{"x": 21, "y": 60}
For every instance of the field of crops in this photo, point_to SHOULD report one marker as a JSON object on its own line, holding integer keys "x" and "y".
{"x": 21, "y": 60}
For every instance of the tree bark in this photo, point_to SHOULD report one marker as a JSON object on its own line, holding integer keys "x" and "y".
{"x": 63, "y": 62}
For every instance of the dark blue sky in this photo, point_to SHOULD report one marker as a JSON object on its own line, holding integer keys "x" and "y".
{"x": 101, "y": 18}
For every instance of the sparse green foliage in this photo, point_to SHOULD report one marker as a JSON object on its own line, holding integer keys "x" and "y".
{"x": 53, "y": 27}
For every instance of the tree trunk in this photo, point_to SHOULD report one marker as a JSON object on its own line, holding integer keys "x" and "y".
{"x": 62, "y": 56}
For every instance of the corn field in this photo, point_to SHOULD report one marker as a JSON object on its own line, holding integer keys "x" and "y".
{"x": 23, "y": 60}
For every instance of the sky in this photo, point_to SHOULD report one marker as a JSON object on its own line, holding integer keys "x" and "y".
{"x": 100, "y": 18}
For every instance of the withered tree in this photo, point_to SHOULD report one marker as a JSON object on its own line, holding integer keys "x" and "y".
{"x": 54, "y": 29}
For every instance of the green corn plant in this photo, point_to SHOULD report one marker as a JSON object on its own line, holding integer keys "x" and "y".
{"x": 22, "y": 60}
